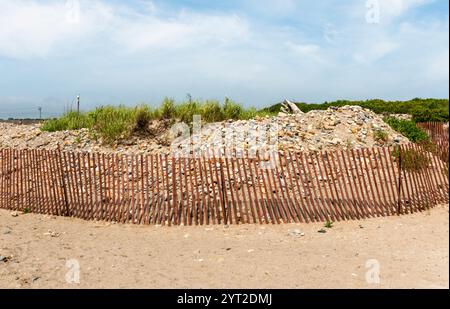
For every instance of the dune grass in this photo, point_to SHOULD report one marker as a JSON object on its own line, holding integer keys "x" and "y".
{"x": 113, "y": 123}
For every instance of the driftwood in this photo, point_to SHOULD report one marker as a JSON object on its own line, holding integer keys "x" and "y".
{"x": 288, "y": 107}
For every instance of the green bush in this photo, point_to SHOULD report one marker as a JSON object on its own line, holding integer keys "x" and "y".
{"x": 422, "y": 110}
{"x": 407, "y": 128}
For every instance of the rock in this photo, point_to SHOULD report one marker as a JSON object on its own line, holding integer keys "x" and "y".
{"x": 5, "y": 259}
{"x": 296, "y": 232}
{"x": 336, "y": 141}
{"x": 15, "y": 214}
{"x": 290, "y": 108}
{"x": 52, "y": 234}
{"x": 323, "y": 231}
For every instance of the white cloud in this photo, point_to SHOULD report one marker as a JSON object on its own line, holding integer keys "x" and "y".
{"x": 271, "y": 8}
{"x": 394, "y": 8}
{"x": 305, "y": 51}
{"x": 181, "y": 31}
{"x": 128, "y": 54}
{"x": 31, "y": 29}
{"x": 374, "y": 51}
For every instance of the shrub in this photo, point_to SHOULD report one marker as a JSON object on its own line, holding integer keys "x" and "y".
{"x": 407, "y": 128}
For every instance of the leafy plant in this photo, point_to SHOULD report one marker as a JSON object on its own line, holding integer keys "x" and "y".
{"x": 407, "y": 128}
{"x": 328, "y": 224}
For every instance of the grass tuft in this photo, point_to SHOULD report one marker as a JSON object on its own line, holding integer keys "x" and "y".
{"x": 113, "y": 123}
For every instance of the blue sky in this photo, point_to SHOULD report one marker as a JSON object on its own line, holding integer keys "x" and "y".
{"x": 256, "y": 52}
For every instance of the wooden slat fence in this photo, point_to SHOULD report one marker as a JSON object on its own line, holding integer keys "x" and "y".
{"x": 439, "y": 134}
{"x": 162, "y": 190}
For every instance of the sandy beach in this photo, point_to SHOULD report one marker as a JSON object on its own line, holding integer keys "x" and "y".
{"x": 411, "y": 252}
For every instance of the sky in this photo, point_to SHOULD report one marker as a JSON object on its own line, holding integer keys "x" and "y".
{"x": 256, "y": 52}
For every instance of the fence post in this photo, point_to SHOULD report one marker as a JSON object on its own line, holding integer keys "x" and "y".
{"x": 224, "y": 199}
{"x": 63, "y": 179}
{"x": 399, "y": 179}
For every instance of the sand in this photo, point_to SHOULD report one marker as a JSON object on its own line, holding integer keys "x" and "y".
{"x": 412, "y": 252}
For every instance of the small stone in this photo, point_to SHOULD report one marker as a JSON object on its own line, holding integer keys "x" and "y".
{"x": 323, "y": 231}
{"x": 52, "y": 234}
{"x": 296, "y": 232}
{"x": 15, "y": 214}
{"x": 5, "y": 259}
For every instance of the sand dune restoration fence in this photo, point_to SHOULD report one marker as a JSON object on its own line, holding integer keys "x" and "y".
{"x": 438, "y": 133}
{"x": 163, "y": 190}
